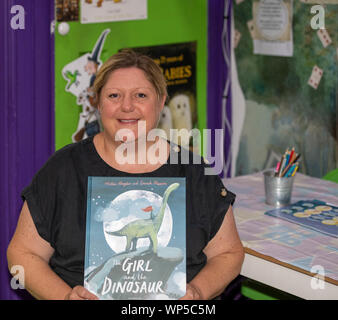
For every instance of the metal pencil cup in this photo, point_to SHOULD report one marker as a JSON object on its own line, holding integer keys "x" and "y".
{"x": 277, "y": 190}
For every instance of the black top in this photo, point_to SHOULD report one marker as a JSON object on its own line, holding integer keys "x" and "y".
{"x": 57, "y": 199}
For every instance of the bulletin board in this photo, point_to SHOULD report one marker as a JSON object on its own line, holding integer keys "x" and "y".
{"x": 166, "y": 22}
{"x": 290, "y": 100}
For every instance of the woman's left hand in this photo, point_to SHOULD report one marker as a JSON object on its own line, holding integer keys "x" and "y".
{"x": 192, "y": 293}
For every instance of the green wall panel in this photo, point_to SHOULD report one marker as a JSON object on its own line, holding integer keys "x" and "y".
{"x": 169, "y": 21}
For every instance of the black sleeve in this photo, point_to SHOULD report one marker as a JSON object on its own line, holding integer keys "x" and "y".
{"x": 212, "y": 200}
{"x": 41, "y": 195}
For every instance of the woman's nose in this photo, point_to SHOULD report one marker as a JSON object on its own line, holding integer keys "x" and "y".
{"x": 127, "y": 104}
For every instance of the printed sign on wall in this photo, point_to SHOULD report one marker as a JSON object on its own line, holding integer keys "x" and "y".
{"x": 271, "y": 27}
{"x": 94, "y": 11}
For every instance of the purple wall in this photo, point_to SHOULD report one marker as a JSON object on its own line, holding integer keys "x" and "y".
{"x": 27, "y": 117}
{"x": 218, "y": 71}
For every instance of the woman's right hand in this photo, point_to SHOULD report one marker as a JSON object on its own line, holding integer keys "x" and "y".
{"x": 80, "y": 293}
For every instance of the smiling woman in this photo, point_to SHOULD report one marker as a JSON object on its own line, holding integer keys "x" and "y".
{"x": 49, "y": 241}
{"x": 126, "y": 98}
{"x": 130, "y": 93}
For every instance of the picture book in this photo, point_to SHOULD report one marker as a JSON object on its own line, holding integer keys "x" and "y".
{"x": 314, "y": 214}
{"x": 136, "y": 238}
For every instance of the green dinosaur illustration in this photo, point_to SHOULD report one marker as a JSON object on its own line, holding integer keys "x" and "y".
{"x": 71, "y": 77}
{"x": 143, "y": 228}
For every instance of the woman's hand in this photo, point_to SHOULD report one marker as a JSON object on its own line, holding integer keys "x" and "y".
{"x": 192, "y": 293}
{"x": 80, "y": 293}
{"x": 225, "y": 255}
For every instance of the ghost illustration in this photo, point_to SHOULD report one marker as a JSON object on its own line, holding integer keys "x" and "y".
{"x": 180, "y": 112}
{"x": 181, "y": 115}
{"x": 165, "y": 123}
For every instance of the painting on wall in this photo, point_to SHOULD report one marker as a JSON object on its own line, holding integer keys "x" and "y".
{"x": 288, "y": 101}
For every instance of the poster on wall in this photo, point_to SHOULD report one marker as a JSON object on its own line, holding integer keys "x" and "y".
{"x": 271, "y": 27}
{"x": 80, "y": 75}
{"x": 178, "y": 63}
{"x": 67, "y": 10}
{"x": 95, "y": 11}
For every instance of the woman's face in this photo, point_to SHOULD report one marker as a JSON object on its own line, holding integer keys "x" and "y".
{"x": 127, "y": 98}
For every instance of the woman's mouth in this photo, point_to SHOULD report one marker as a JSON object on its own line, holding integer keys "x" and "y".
{"x": 128, "y": 121}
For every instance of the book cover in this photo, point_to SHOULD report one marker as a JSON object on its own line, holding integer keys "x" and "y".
{"x": 136, "y": 238}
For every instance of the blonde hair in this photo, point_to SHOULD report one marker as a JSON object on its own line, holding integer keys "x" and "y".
{"x": 128, "y": 58}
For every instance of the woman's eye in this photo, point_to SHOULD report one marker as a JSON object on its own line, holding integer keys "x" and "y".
{"x": 113, "y": 95}
{"x": 140, "y": 95}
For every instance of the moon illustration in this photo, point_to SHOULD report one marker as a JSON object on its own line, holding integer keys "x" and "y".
{"x": 129, "y": 207}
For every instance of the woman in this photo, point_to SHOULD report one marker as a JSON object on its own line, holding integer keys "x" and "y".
{"x": 50, "y": 235}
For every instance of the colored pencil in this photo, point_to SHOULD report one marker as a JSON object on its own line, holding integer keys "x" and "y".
{"x": 287, "y": 157}
{"x": 294, "y": 156}
{"x": 281, "y": 166}
{"x": 289, "y": 165}
{"x": 294, "y": 171}
{"x": 277, "y": 167}
{"x": 289, "y": 172}
{"x": 292, "y": 153}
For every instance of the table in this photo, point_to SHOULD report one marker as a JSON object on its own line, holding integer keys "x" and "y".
{"x": 282, "y": 254}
